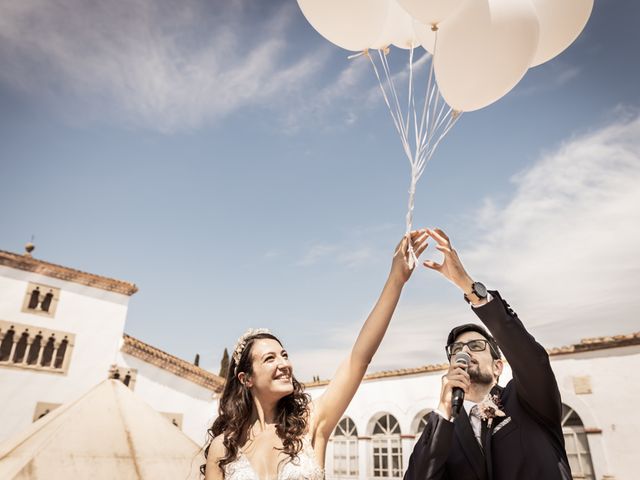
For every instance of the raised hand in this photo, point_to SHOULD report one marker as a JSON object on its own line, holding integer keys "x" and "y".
{"x": 401, "y": 266}
{"x": 451, "y": 267}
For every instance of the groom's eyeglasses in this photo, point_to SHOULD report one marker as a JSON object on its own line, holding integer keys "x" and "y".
{"x": 474, "y": 346}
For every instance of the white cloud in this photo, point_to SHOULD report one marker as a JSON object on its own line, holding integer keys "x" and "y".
{"x": 316, "y": 253}
{"x": 150, "y": 64}
{"x": 146, "y": 62}
{"x": 550, "y": 77}
{"x": 562, "y": 250}
{"x": 344, "y": 253}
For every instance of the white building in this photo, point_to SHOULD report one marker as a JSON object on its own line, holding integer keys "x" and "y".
{"x": 108, "y": 433}
{"x": 598, "y": 382}
{"x": 62, "y": 333}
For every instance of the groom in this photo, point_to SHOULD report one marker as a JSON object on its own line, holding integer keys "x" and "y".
{"x": 510, "y": 433}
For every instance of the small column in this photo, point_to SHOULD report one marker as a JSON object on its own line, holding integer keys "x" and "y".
{"x": 41, "y": 351}
{"x": 2, "y": 335}
{"x": 364, "y": 452}
{"x": 26, "y": 350}
{"x": 13, "y": 347}
{"x": 56, "y": 346}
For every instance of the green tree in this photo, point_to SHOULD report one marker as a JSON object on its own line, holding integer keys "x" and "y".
{"x": 224, "y": 364}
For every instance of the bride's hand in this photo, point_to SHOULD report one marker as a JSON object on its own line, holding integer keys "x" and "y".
{"x": 402, "y": 265}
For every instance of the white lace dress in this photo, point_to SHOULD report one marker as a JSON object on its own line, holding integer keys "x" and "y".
{"x": 304, "y": 467}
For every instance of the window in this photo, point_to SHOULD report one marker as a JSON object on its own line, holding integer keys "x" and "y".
{"x": 422, "y": 422}
{"x": 41, "y": 299}
{"x": 125, "y": 375}
{"x": 576, "y": 444}
{"x": 345, "y": 449}
{"x": 387, "y": 448}
{"x": 23, "y": 346}
{"x": 43, "y": 409}
{"x": 419, "y": 423}
{"x": 175, "y": 418}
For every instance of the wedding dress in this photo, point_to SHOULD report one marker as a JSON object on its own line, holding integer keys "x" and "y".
{"x": 304, "y": 467}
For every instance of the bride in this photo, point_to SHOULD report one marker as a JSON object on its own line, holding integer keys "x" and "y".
{"x": 267, "y": 427}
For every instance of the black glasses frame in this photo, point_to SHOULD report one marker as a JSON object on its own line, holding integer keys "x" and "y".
{"x": 449, "y": 348}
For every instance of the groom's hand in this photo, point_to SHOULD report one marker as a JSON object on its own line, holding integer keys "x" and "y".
{"x": 451, "y": 267}
{"x": 456, "y": 376}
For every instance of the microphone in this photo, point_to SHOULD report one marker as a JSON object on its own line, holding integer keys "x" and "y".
{"x": 457, "y": 395}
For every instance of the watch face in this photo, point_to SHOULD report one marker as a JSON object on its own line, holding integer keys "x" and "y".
{"x": 480, "y": 290}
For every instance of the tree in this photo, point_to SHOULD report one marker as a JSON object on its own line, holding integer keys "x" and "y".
{"x": 224, "y": 364}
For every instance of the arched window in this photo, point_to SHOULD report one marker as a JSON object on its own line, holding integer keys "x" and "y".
{"x": 41, "y": 300}
{"x": 34, "y": 298}
{"x": 387, "y": 448}
{"x": 34, "y": 351}
{"x": 345, "y": 449}
{"x": 46, "y": 303}
{"x": 6, "y": 344}
{"x": 47, "y": 354}
{"x": 21, "y": 347}
{"x": 62, "y": 349}
{"x": 576, "y": 444}
{"x": 420, "y": 422}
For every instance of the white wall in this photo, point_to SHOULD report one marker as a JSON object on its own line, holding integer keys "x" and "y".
{"x": 610, "y": 407}
{"x": 167, "y": 392}
{"x": 95, "y": 316}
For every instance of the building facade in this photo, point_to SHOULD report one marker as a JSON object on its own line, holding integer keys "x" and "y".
{"x": 598, "y": 382}
{"x": 62, "y": 333}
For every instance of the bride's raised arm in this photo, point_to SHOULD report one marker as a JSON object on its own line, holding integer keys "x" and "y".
{"x": 328, "y": 409}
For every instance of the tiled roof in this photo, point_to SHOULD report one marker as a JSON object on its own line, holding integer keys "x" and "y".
{"x": 585, "y": 345}
{"x": 597, "y": 343}
{"x": 30, "y": 264}
{"x": 137, "y": 348}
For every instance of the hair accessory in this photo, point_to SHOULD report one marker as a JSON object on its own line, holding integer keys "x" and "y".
{"x": 242, "y": 343}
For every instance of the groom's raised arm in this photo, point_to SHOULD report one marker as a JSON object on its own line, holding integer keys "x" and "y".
{"x": 533, "y": 377}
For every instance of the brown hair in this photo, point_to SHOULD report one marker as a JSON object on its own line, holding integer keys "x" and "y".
{"x": 236, "y": 405}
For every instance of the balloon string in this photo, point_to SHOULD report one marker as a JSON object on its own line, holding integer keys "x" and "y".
{"x": 429, "y": 128}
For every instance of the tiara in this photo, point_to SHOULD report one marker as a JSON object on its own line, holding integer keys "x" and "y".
{"x": 242, "y": 343}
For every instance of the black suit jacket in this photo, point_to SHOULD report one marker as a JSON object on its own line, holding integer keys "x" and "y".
{"x": 527, "y": 444}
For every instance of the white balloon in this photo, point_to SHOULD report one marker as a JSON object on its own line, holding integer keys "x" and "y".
{"x": 561, "y": 21}
{"x": 484, "y": 51}
{"x": 350, "y": 24}
{"x": 431, "y": 12}
{"x": 426, "y": 35}
{"x": 398, "y": 29}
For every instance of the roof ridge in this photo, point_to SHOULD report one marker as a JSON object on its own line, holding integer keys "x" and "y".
{"x": 30, "y": 264}
{"x": 585, "y": 345}
{"x": 175, "y": 365}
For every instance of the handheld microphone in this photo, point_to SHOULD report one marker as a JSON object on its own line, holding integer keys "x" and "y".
{"x": 457, "y": 394}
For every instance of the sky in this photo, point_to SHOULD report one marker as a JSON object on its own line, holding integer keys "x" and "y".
{"x": 243, "y": 172}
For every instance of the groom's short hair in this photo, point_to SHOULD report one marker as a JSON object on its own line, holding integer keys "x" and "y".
{"x": 474, "y": 327}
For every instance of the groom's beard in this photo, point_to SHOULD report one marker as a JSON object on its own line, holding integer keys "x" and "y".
{"x": 478, "y": 376}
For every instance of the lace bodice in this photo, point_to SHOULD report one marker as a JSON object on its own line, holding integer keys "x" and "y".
{"x": 304, "y": 467}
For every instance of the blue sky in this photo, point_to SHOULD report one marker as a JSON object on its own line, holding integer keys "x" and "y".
{"x": 243, "y": 173}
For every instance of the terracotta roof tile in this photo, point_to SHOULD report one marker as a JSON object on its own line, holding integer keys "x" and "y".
{"x": 145, "y": 352}
{"x": 30, "y": 264}
{"x": 585, "y": 345}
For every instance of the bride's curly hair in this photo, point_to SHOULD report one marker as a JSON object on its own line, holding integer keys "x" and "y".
{"x": 236, "y": 405}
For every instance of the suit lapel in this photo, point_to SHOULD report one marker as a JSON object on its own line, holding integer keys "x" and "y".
{"x": 470, "y": 446}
